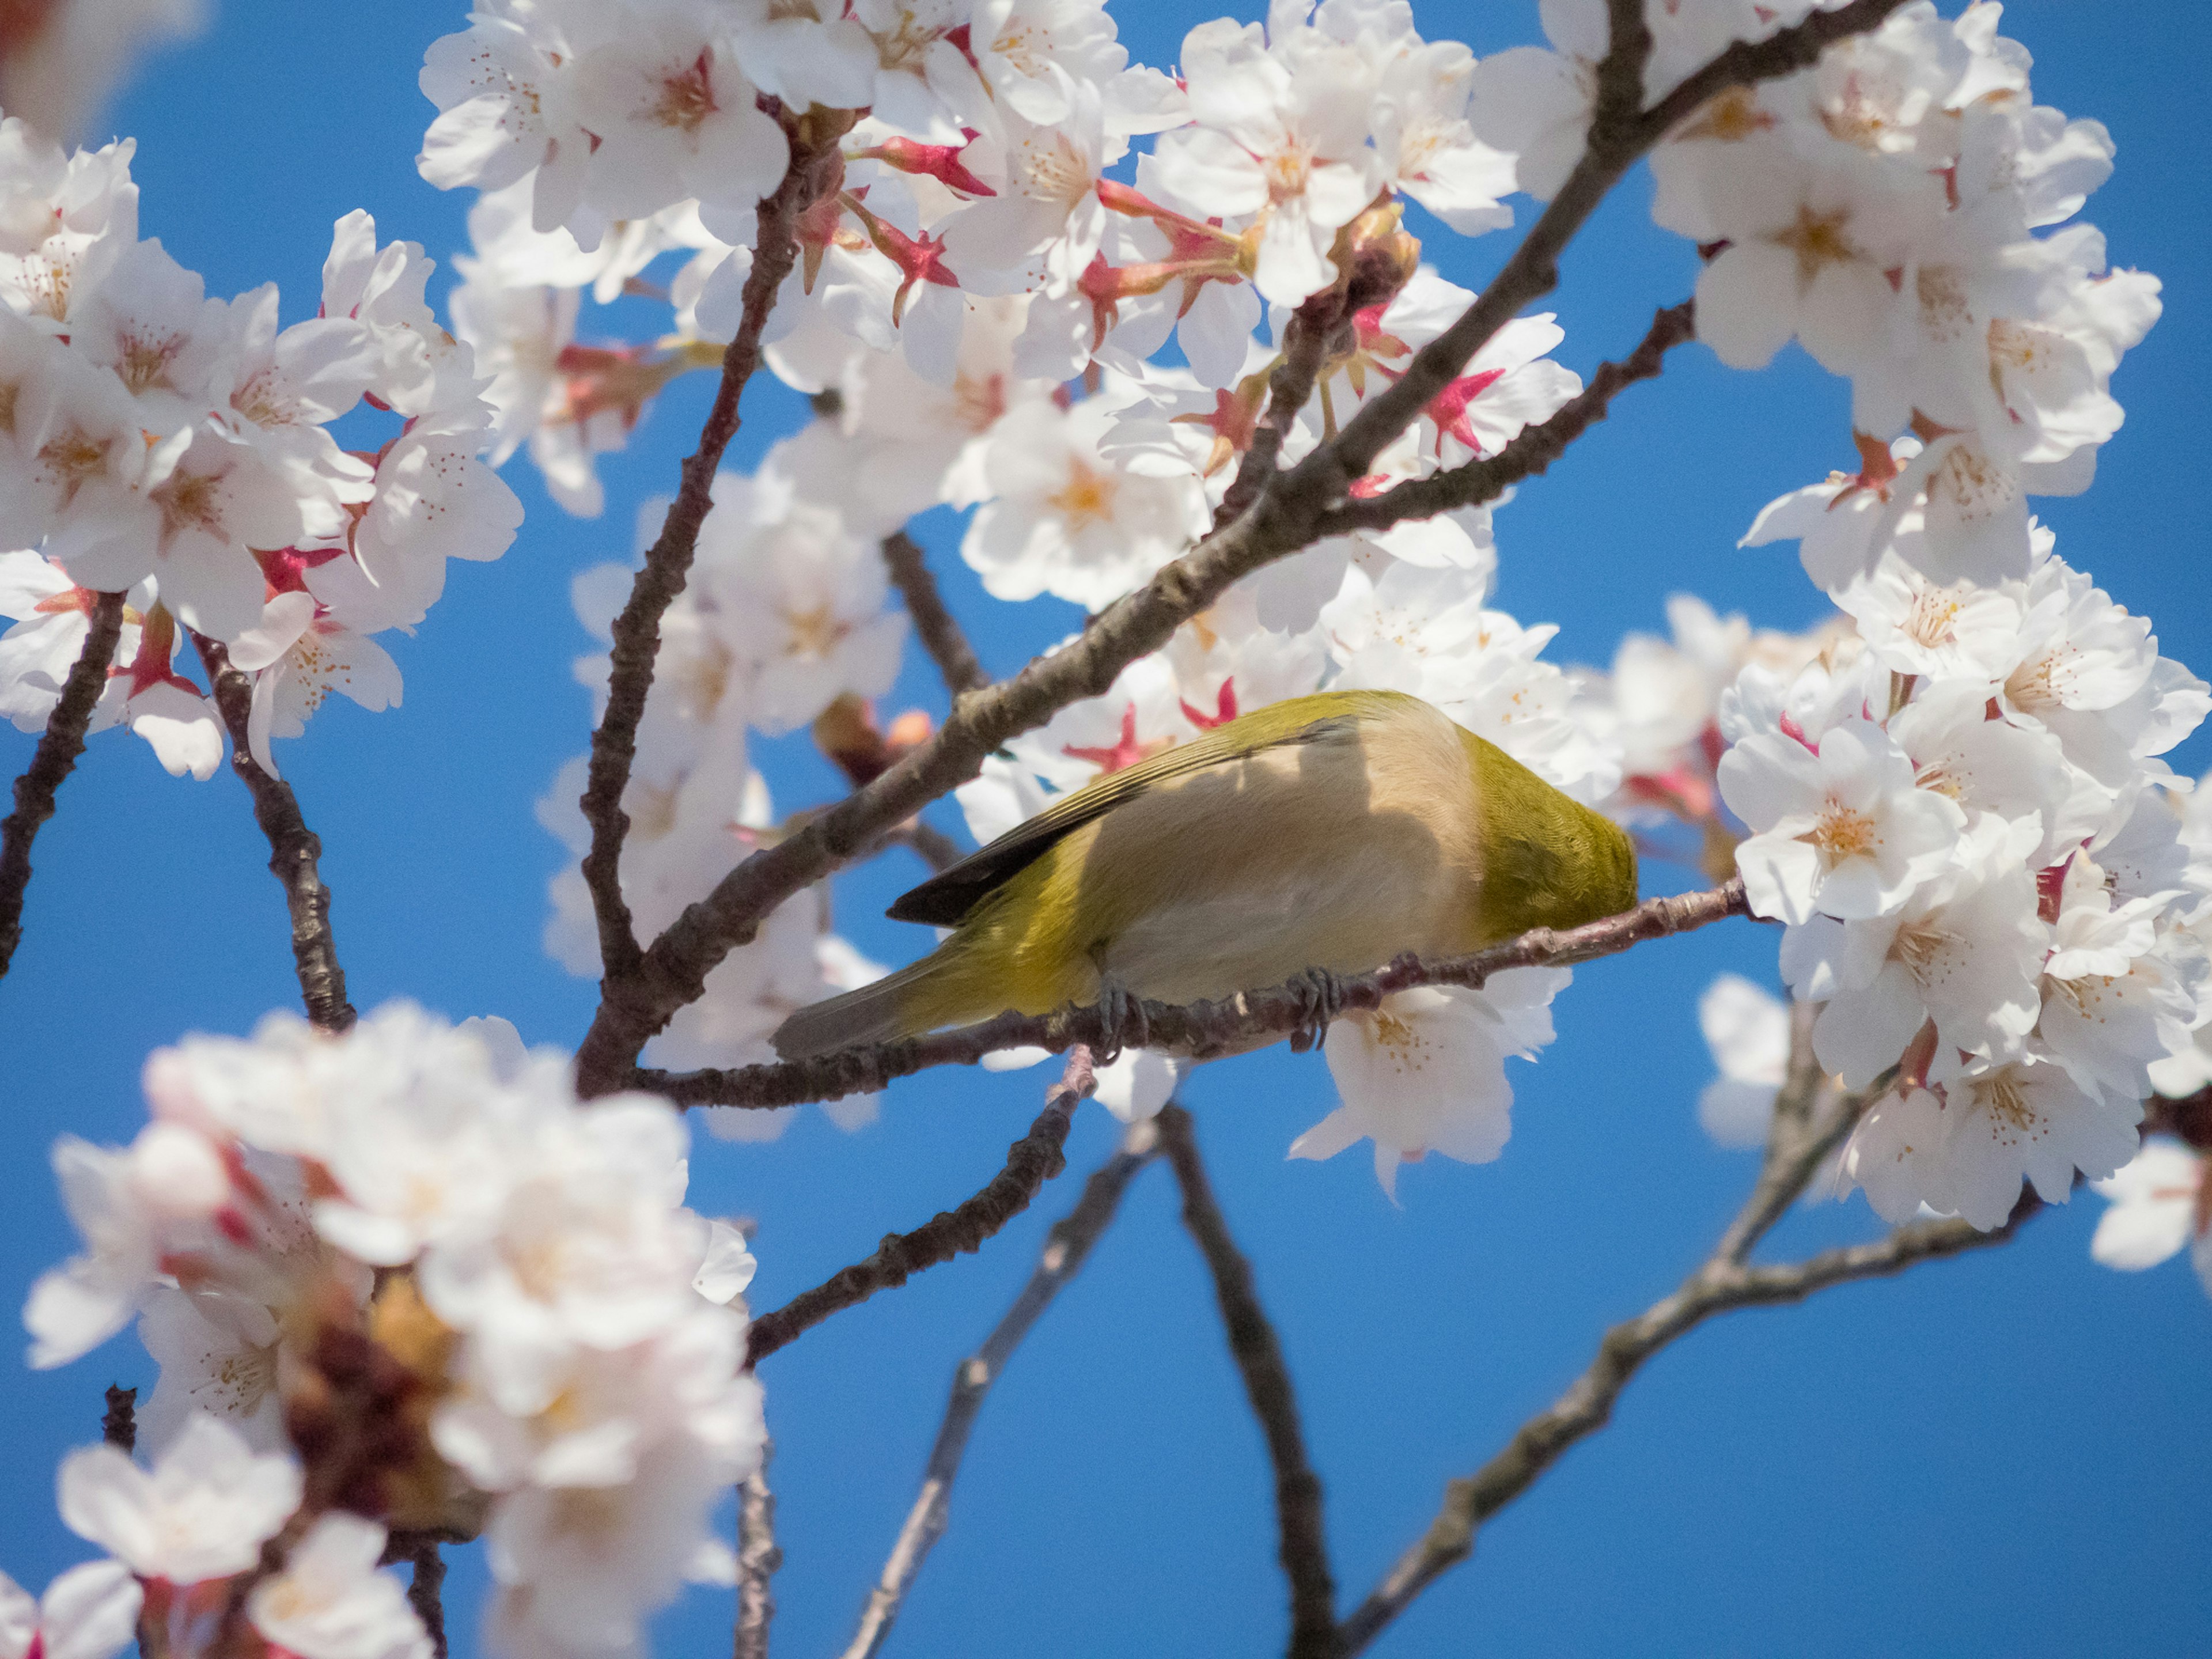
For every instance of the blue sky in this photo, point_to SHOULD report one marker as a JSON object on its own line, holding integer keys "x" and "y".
{"x": 2006, "y": 1454}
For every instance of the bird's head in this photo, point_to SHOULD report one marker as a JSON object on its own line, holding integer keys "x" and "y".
{"x": 1547, "y": 861}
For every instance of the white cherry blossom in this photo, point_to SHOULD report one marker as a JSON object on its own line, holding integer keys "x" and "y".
{"x": 671, "y": 114}
{"x": 1964, "y": 952}
{"x": 221, "y": 1356}
{"x": 1427, "y": 1071}
{"x": 1278, "y": 136}
{"x": 1842, "y": 828}
{"x": 331, "y": 1602}
{"x": 2156, "y": 1207}
{"x": 203, "y": 1511}
{"x": 792, "y": 599}
{"x": 1747, "y": 1029}
{"x": 298, "y": 656}
{"x": 1066, "y": 520}
{"x": 1966, "y": 1150}
{"x": 90, "y": 1612}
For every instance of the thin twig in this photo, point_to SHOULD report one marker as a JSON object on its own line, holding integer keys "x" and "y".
{"x": 1203, "y": 1029}
{"x": 1531, "y": 455}
{"x": 668, "y": 563}
{"x": 1306, "y": 342}
{"x": 1304, "y": 1547}
{"x": 425, "y": 1594}
{"x": 52, "y": 763}
{"x": 293, "y": 849}
{"x": 940, "y": 634}
{"x": 2188, "y": 1118}
{"x": 118, "y": 1424}
{"x": 1811, "y": 1117}
{"x": 1031, "y": 1161}
{"x": 931, "y": 845}
{"x": 1066, "y": 1248}
{"x": 1285, "y": 517}
{"x": 1588, "y": 1403}
{"x": 758, "y": 1557}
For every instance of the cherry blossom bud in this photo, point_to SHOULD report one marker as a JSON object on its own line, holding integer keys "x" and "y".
{"x": 176, "y": 1174}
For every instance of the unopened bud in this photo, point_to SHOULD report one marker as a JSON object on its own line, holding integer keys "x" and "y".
{"x": 1377, "y": 255}
{"x": 175, "y": 1173}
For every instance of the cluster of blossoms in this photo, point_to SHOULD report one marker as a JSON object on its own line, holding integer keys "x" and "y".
{"x": 177, "y": 449}
{"x": 975, "y": 306}
{"x": 1958, "y": 809}
{"x": 782, "y": 626}
{"x": 2159, "y": 1203}
{"x": 399, "y": 1280}
{"x": 972, "y": 150}
{"x": 1966, "y": 826}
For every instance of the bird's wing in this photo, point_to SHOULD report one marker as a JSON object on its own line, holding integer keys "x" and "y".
{"x": 945, "y": 898}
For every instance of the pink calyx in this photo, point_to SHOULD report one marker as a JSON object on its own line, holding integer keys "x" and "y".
{"x": 157, "y": 644}
{"x": 939, "y": 162}
{"x": 1679, "y": 791}
{"x": 919, "y": 259}
{"x": 1126, "y": 752}
{"x": 1234, "y": 419}
{"x": 284, "y": 568}
{"x": 623, "y": 378}
{"x": 1370, "y": 345}
{"x": 1448, "y": 409}
{"x": 1224, "y": 708}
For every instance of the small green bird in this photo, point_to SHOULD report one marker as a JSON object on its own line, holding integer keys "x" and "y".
{"x": 1325, "y": 833}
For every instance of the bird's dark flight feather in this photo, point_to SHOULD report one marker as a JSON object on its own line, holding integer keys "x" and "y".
{"x": 944, "y": 899}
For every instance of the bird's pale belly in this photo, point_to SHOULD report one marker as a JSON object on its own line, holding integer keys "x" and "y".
{"x": 1347, "y": 918}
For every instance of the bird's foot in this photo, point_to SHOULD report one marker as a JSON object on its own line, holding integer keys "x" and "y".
{"x": 1320, "y": 1000}
{"x": 1122, "y": 1020}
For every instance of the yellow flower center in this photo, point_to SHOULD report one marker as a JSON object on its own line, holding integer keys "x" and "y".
{"x": 686, "y": 98}
{"x": 73, "y": 458}
{"x": 1818, "y": 240}
{"x": 1088, "y": 496}
{"x": 1844, "y": 832}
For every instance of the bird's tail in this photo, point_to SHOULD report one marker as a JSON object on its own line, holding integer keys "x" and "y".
{"x": 888, "y": 1008}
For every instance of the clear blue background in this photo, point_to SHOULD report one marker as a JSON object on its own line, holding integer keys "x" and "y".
{"x": 2002, "y": 1455}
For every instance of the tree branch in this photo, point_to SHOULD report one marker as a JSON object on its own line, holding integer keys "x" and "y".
{"x": 52, "y": 763}
{"x": 1204, "y": 1029}
{"x": 1304, "y": 1544}
{"x": 668, "y": 563}
{"x": 294, "y": 848}
{"x": 940, "y": 634}
{"x": 1285, "y": 517}
{"x": 1066, "y": 1248}
{"x": 758, "y": 1558}
{"x": 1529, "y": 454}
{"x": 1811, "y": 1117}
{"x": 1031, "y": 1161}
